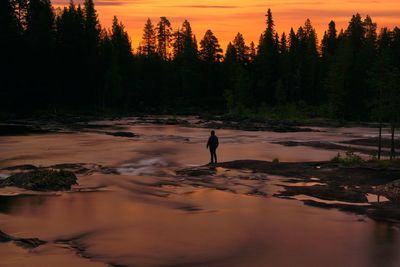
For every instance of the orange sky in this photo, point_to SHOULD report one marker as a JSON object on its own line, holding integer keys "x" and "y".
{"x": 227, "y": 17}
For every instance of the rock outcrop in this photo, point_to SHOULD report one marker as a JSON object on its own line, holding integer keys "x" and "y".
{"x": 42, "y": 180}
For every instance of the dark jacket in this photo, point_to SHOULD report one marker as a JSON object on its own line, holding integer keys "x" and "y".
{"x": 212, "y": 142}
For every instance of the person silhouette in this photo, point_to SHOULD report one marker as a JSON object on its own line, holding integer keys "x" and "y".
{"x": 212, "y": 144}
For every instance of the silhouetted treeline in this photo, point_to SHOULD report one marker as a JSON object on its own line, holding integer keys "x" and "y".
{"x": 63, "y": 59}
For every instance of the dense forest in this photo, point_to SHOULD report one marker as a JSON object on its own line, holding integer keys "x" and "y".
{"x": 59, "y": 60}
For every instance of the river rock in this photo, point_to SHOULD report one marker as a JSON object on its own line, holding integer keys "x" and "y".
{"x": 27, "y": 243}
{"x": 42, "y": 180}
{"x": 123, "y": 134}
{"x": 4, "y": 237}
{"x": 25, "y": 167}
{"x": 390, "y": 190}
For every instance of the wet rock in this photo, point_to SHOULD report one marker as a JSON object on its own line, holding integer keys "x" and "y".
{"x": 386, "y": 142}
{"x": 346, "y": 184}
{"x": 343, "y": 207}
{"x": 27, "y": 243}
{"x": 77, "y": 168}
{"x": 21, "y": 167}
{"x": 197, "y": 171}
{"x": 317, "y": 144}
{"x": 366, "y": 173}
{"x": 280, "y": 127}
{"x": 4, "y": 237}
{"x": 42, "y": 180}
{"x": 256, "y": 192}
{"x": 329, "y": 192}
{"x": 123, "y": 134}
{"x": 190, "y": 208}
{"x": 163, "y": 121}
{"x": 390, "y": 190}
{"x": 19, "y": 129}
{"x": 67, "y": 166}
{"x": 384, "y": 212}
{"x": 330, "y": 146}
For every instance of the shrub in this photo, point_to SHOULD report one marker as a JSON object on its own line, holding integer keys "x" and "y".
{"x": 349, "y": 159}
{"x": 275, "y": 161}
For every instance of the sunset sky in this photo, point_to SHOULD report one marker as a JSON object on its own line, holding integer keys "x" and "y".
{"x": 227, "y": 17}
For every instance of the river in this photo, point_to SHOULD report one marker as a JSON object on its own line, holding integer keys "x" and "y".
{"x": 132, "y": 209}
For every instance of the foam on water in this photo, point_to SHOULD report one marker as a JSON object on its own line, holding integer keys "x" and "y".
{"x": 144, "y": 167}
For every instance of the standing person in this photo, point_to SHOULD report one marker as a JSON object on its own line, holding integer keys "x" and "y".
{"x": 212, "y": 144}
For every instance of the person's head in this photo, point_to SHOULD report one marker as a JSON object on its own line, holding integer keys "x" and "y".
{"x": 212, "y": 132}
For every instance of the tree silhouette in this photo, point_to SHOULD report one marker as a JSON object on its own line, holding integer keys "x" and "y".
{"x": 242, "y": 51}
{"x": 267, "y": 62}
{"x": 210, "y": 50}
{"x": 329, "y": 41}
{"x": 189, "y": 41}
{"x": 148, "y": 46}
{"x": 10, "y": 53}
{"x": 64, "y": 60}
{"x": 164, "y": 37}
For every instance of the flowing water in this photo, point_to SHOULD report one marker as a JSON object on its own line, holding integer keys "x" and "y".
{"x": 132, "y": 209}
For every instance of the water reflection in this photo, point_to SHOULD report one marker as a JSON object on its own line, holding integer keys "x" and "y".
{"x": 149, "y": 216}
{"x": 12, "y": 205}
{"x": 384, "y": 247}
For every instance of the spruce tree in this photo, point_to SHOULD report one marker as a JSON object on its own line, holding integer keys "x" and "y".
{"x": 210, "y": 50}
{"x": 164, "y": 36}
{"x": 242, "y": 51}
{"x": 149, "y": 39}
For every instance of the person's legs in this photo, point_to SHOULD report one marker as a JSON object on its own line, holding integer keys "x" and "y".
{"x": 213, "y": 155}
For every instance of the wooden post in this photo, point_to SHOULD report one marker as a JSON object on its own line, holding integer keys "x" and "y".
{"x": 392, "y": 150}
{"x": 380, "y": 141}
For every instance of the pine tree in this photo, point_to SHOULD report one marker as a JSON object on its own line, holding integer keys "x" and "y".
{"x": 164, "y": 36}
{"x": 177, "y": 44}
{"x": 10, "y": 55}
{"x": 120, "y": 39}
{"x": 252, "y": 52}
{"x": 9, "y": 22}
{"x": 283, "y": 44}
{"x": 189, "y": 41}
{"x": 149, "y": 39}
{"x": 210, "y": 50}
{"x": 40, "y": 37}
{"x": 329, "y": 42}
{"x": 355, "y": 32}
{"x": 111, "y": 90}
{"x": 92, "y": 27}
{"x": 267, "y": 41}
{"x": 242, "y": 51}
{"x": 267, "y": 62}
{"x": 395, "y": 46}
{"x": 71, "y": 50}
{"x": 230, "y": 54}
{"x": 40, "y": 24}
{"x": 89, "y": 96}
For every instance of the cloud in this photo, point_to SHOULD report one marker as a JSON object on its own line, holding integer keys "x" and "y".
{"x": 103, "y": 2}
{"x": 336, "y": 13}
{"x": 207, "y": 6}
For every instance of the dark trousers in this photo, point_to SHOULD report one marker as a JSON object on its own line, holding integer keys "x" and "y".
{"x": 213, "y": 153}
